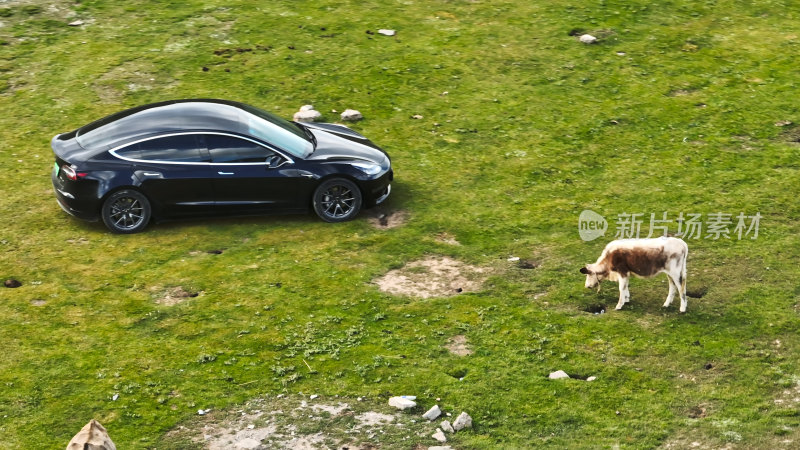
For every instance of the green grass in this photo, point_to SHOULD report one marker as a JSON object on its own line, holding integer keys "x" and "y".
{"x": 673, "y": 110}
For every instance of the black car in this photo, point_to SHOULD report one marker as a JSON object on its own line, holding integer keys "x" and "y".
{"x": 186, "y": 158}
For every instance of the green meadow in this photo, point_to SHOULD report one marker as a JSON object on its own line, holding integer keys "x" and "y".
{"x": 502, "y": 128}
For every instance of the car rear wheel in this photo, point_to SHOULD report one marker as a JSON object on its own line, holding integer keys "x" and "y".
{"x": 337, "y": 200}
{"x": 126, "y": 211}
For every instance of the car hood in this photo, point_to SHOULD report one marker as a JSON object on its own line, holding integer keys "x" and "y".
{"x": 337, "y": 142}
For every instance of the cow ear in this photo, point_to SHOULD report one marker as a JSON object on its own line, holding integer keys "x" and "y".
{"x": 585, "y": 271}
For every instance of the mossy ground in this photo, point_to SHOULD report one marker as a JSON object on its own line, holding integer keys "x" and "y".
{"x": 523, "y": 127}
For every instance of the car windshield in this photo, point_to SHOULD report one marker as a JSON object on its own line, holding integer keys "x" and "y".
{"x": 277, "y": 131}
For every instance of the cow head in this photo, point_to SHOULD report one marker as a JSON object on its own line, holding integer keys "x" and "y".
{"x": 593, "y": 276}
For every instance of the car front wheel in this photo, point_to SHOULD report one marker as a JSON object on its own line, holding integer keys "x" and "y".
{"x": 337, "y": 200}
{"x": 126, "y": 211}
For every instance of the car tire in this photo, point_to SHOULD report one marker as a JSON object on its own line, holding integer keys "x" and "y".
{"x": 337, "y": 200}
{"x": 126, "y": 211}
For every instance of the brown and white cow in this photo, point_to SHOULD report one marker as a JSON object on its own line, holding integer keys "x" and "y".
{"x": 642, "y": 258}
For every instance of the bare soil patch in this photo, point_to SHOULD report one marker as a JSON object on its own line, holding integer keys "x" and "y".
{"x": 297, "y": 422}
{"x": 383, "y": 219}
{"x": 458, "y": 346}
{"x": 433, "y": 277}
{"x": 174, "y": 295}
{"x": 447, "y": 238}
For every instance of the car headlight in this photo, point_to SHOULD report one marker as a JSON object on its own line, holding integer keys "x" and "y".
{"x": 367, "y": 168}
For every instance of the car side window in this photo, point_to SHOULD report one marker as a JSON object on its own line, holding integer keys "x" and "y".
{"x": 233, "y": 150}
{"x": 180, "y": 148}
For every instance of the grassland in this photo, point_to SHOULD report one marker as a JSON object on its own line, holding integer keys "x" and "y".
{"x": 523, "y": 127}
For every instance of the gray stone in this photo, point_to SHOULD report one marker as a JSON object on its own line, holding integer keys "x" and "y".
{"x": 462, "y": 421}
{"x": 445, "y": 425}
{"x": 439, "y": 436}
{"x": 587, "y": 39}
{"x": 352, "y": 115}
{"x": 402, "y": 403}
{"x": 309, "y": 115}
{"x": 559, "y": 374}
{"x": 433, "y": 413}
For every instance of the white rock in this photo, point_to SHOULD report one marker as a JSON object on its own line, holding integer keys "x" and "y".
{"x": 513, "y": 258}
{"x": 592, "y": 378}
{"x": 433, "y": 413}
{"x": 247, "y": 443}
{"x": 307, "y": 108}
{"x": 440, "y": 447}
{"x": 351, "y": 115}
{"x": 559, "y": 374}
{"x": 445, "y": 425}
{"x": 402, "y": 403}
{"x": 462, "y": 421}
{"x": 76, "y": 23}
{"x": 306, "y": 116}
{"x": 115, "y": 397}
{"x": 587, "y": 39}
{"x": 439, "y": 436}
{"x": 313, "y": 397}
{"x": 387, "y": 32}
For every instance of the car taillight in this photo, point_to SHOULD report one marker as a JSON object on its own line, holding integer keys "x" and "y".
{"x": 71, "y": 173}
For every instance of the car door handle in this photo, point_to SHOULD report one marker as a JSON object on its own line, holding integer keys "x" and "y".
{"x": 225, "y": 173}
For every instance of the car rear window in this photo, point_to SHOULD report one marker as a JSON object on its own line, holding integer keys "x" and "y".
{"x": 178, "y": 148}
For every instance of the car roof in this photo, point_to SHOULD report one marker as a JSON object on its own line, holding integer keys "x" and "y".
{"x": 163, "y": 117}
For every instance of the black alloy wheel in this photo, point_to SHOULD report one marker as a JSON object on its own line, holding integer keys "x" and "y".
{"x": 126, "y": 211}
{"x": 337, "y": 200}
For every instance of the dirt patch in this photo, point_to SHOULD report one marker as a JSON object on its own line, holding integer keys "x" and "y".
{"x": 432, "y": 277}
{"x": 384, "y": 220}
{"x": 174, "y": 295}
{"x": 297, "y": 422}
{"x": 528, "y": 264}
{"x": 790, "y": 397}
{"x": 447, "y": 238}
{"x": 697, "y": 293}
{"x": 697, "y": 412}
{"x": 458, "y": 346}
{"x": 596, "y": 308}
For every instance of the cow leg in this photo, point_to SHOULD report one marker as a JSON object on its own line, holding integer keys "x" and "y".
{"x": 682, "y": 287}
{"x": 672, "y": 289}
{"x": 680, "y": 284}
{"x": 624, "y": 295}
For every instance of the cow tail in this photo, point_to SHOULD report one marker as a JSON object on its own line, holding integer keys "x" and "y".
{"x": 683, "y": 268}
